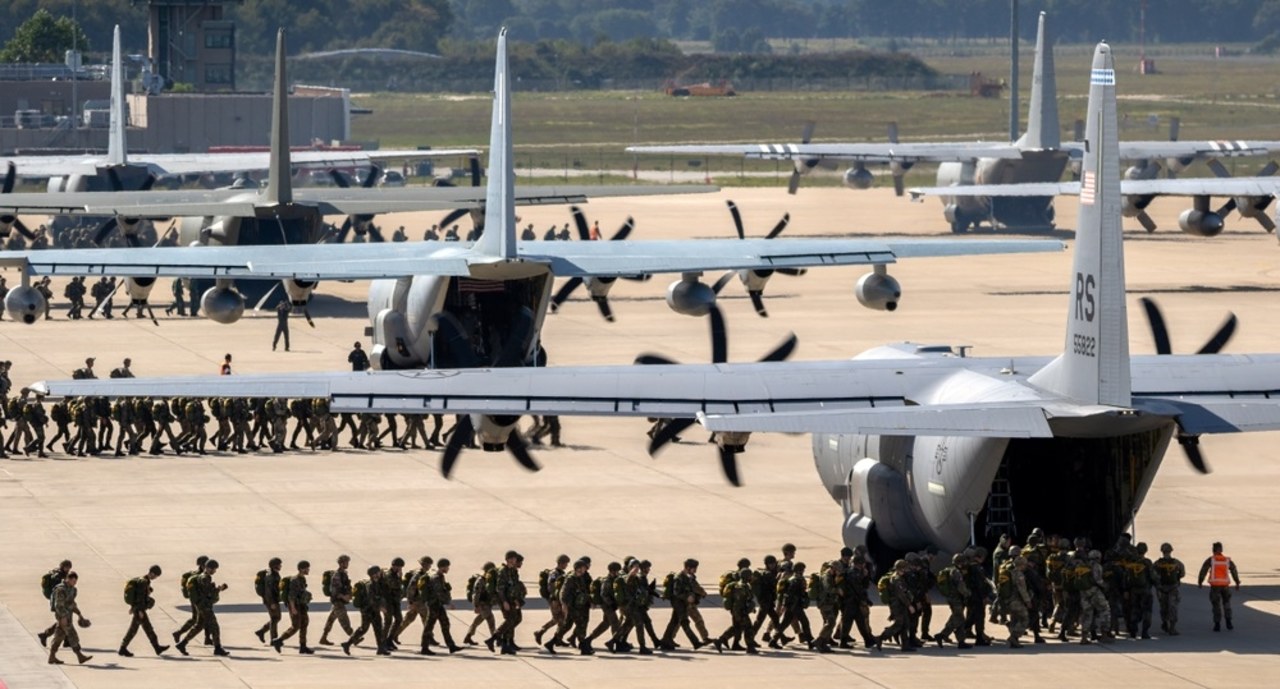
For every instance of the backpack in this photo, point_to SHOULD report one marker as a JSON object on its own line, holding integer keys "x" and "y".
{"x": 726, "y": 580}
{"x": 668, "y": 582}
{"x": 1004, "y": 579}
{"x": 59, "y": 413}
{"x": 1167, "y": 572}
{"x": 596, "y": 591}
{"x": 1054, "y": 567}
{"x": 326, "y": 582}
{"x": 1082, "y": 577}
{"x": 882, "y": 587}
{"x": 491, "y": 583}
{"x": 260, "y": 582}
{"x": 284, "y": 586}
{"x": 816, "y": 589}
{"x": 360, "y": 594}
{"x": 471, "y": 586}
{"x": 189, "y": 582}
{"x": 132, "y": 589}
{"x": 47, "y": 582}
{"x": 544, "y": 584}
{"x": 945, "y": 584}
{"x": 215, "y": 406}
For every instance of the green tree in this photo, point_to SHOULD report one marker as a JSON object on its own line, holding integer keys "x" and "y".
{"x": 43, "y": 38}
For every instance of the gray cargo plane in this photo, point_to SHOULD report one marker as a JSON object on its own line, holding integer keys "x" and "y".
{"x": 483, "y": 305}
{"x": 908, "y": 439}
{"x": 1039, "y": 156}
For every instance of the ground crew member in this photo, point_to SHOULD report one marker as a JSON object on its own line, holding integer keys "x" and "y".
{"x": 138, "y": 597}
{"x": 204, "y": 595}
{"x": 64, "y": 612}
{"x": 268, "y": 588}
{"x": 282, "y": 324}
{"x": 358, "y": 359}
{"x": 1221, "y": 571}
{"x": 367, "y": 601}
{"x": 298, "y": 598}
{"x": 1169, "y": 572}
{"x": 339, "y": 596}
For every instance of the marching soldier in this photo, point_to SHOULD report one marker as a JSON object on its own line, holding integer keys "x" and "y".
{"x": 204, "y": 595}
{"x": 267, "y": 585}
{"x": 901, "y": 608}
{"x": 415, "y": 594}
{"x": 392, "y": 593}
{"x": 186, "y": 584}
{"x": 137, "y": 594}
{"x": 740, "y": 602}
{"x": 952, "y": 586}
{"x": 1095, "y": 611}
{"x": 683, "y": 596}
{"x": 549, "y": 583}
{"x": 1015, "y": 597}
{"x": 1169, "y": 572}
{"x": 1141, "y": 579}
{"x": 793, "y": 598}
{"x": 438, "y": 595}
{"x": 339, "y": 594}
{"x": 64, "y": 612}
{"x": 575, "y": 601}
{"x": 510, "y": 593}
{"x": 367, "y": 600}
{"x": 603, "y": 596}
{"x": 298, "y": 598}
{"x": 48, "y": 583}
{"x": 1221, "y": 571}
{"x": 483, "y": 590}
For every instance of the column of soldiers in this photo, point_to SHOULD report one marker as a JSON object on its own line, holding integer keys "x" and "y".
{"x": 1041, "y": 584}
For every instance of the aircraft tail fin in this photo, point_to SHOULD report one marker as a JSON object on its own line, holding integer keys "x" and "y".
{"x": 1094, "y": 365}
{"x": 499, "y": 236}
{"x": 116, "y": 149}
{"x": 1043, "y": 130}
{"x": 279, "y": 174}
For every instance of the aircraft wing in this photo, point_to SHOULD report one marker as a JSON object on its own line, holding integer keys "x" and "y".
{"x": 199, "y": 163}
{"x": 1024, "y": 189}
{"x": 1183, "y": 186}
{"x": 329, "y": 201}
{"x": 1137, "y": 150}
{"x": 862, "y": 152}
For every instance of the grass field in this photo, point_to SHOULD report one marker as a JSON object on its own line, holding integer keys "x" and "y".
{"x": 1215, "y": 98}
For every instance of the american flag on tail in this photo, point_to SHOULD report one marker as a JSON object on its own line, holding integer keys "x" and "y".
{"x": 1088, "y": 188}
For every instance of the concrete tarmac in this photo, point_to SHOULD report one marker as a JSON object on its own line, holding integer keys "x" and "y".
{"x": 601, "y": 495}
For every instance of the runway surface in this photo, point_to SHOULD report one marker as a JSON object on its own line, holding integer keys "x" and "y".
{"x": 602, "y": 495}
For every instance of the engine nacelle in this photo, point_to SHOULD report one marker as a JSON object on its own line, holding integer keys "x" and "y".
{"x": 1200, "y": 223}
{"x": 858, "y": 178}
{"x": 139, "y": 289}
{"x": 222, "y": 304}
{"x": 878, "y": 290}
{"x": 690, "y": 297}
{"x": 492, "y": 431}
{"x": 6, "y": 225}
{"x": 599, "y": 287}
{"x": 25, "y": 304}
{"x": 1144, "y": 169}
{"x": 299, "y": 291}
{"x": 1177, "y": 165}
{"x": 881, "y": 505}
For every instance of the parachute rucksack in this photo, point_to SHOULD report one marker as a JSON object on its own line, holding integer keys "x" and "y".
{"x": 945, "y": 584}
{"x": 596, "y": 590}
{"x": 188, "y": 582}
{"x": 413, "y": 585}
{"x": 491, "y": 583}
{"x": 882, "y": 587}
{"x": 284, "y": 587}
{"x": 50, "y": 580}
{"x": 668, "y": 583}
{"x": 1082, "y": 577}
{"x": 620, "y": 590}
{"x": 326, "y": 582}
{"x": 1054, "y": 567}
{"x": 135, "y": 592}
{"x": 815, "y": 587}
{"x": 215, "y": 406}
{"x": 1004, "y": 579}
{"x": 360, "y": 594}
{"x": 544, "y": 584}
{"x": 1166, "y": 572}
{"x": 471, "y": 586}
{"x": 260, "y": 582}
{"x": 725, "y": 580}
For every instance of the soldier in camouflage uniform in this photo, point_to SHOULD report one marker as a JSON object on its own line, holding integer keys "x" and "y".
{"x": 36, "y": 417}
{"x": 366, "y": 598}
{"x": 481, "y": 598}
{"x": 921, "y": 578}
{"x": 952, "y": 586}
{"x": 633, "y": 595}
{"x": 740, "y": 601}
{"x": 271, "y": 600}
{"x": 1015, "y": 596}
{"x": 608, "y": 604}
{"x": 62, "y": 419}
{"x": 326, "y": 429}
{"x": 793, "y": 598}
{"x": 162, "y": 417}
{"x": 1169, "y": 572}
{"x": 826, "y": 596}
{"x": 511, "y": 594}
{"x": 554, "y": 579}
{"x": 196, "y": 419}
{"x": 765, "y": 583}
{"x": 65, "y": 611}
{"x": 298, "y": 598}
{"x": 1095, "y": 611}
{"x": 439, "y": 600}
{"x": 140, "y": 603}
{"x": 999, "y": 555}
{"x": 392, "y": 593}
{"x": 1142, "y": 577}
{"x": 856, "y": 606}
{"x": 204, "y": 595}
{"x": 575, "y": 599}
{"x": 300, "y": 410}
{"x": 415, "y": 591}
{"x": 339, "y": 597}
{"x": 901, "y": 608}
{"x": 683, "y": 595}
{"x": 979, "y": 593}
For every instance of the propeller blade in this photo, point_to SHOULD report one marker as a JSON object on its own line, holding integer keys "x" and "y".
{"x": 1227, "y": 207}
{"x": 757, "y": 301}
{"x": 737, "y": 219}
{"x": 784, "y": 350}
{"x": 793, "y": 272}
{"x": 262, "y": 302}
{"x": 782, "y": 225}
{"x": 10, "y": 178}
{"x": 374, "y": 173}
{"x": 580, "y": 221}
{"x": 1191, "y": 446}
{"x": 105, "y": 230}
{"x": 22, "y": 229}
{"x": 654, "y": 360}
{"x": 1269, "y": 169}
{"x": 1221, "y": 337}
{"x": 1265, "y": 220}
{"x": 520, "y": 450}
{"x": 563, "y": 293}
{"x": 476, "y": 172}
{"x": 806, "y": 134}
{"x": 793, "y": 184}
{"x": 724, "y": 280}
{"x": 893, "y": 132}
{"x": 452, "y": 217}
{"x": 375, "y": 233}
{"x": 461, "y": 434}
{"x": 1175, "y": 124}
{"x": 899, "y": 185}
{"x": 1145, "y": 220}
{"x": 669, "y": 431}
{"x": 719, "y": 336}
{"x": 342, "y": 232}
{"x": 339, "y": 179}
{"x": 729, "y": 464}
{"x": 1159, "y": 331}
{"x": 1218, "y": 168}
{"x": 116, "y": 183}
{"x": 149, "y": 182}
{"x": 605, "y": 310}
{"x": 624, "y": 231}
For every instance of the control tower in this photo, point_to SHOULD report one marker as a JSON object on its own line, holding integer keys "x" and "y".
{"x": 190, "y": 42}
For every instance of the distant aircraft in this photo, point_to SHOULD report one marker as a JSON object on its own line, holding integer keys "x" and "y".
{"x": 119, "y": 171}
{"x": 481, "y": 305}
{"x": 1039, "y": 156}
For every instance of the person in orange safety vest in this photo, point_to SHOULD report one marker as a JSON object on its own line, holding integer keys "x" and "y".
{"x": 1221, "y": 571}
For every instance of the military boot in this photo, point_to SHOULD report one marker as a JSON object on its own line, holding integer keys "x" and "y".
{"x": 53, "y": 653}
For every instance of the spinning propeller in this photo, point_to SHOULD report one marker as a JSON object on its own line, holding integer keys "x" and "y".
{"x": 113, "y": 223}
{"x": 10, "y": 178}
{"x": 1160, "y": 332}
{"x": 599, "y": 286}
{"x": 1249, "y": 206}
{"x": 456, "y": 213}
{"x": 719, "y": 354}
{"x": 358, "y": 221}
{"x": 755, "y": 279}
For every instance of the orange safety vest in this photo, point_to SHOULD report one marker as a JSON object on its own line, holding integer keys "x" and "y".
{"x": 1220, "y": 570}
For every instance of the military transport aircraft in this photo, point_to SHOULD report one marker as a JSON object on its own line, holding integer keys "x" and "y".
{"x": 119, "y": 171}
{"x": 1038, "y": 156}
{"x": 907, "y": 438}
{"x": 483, "y": 305}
